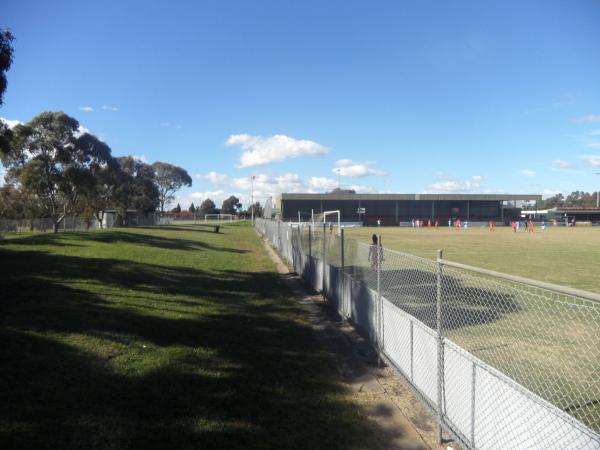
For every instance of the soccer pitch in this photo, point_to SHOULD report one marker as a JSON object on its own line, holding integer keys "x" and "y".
{"x": 565, "y": 256}
{"x": 548, "y": 345}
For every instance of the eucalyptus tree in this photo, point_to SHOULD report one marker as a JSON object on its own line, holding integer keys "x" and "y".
{"x": 207, "y": 207}
{"x": 169, "y": 179}
{"x": 6, "y": 59}
{"x": 53, "y": 160}
{"x": 135, "y": 187}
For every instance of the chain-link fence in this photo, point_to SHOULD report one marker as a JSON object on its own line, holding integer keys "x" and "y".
{"x": 503, "y": 361}
{"x": 76, "y": 223}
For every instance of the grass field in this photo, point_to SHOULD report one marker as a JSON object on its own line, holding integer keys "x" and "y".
{"x": 566, "y": 256}
{"x": 167, "y": 337}
{"x": 548, "y": 344}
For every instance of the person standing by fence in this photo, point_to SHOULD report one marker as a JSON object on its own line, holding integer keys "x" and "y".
{"x": 375, "y": 254}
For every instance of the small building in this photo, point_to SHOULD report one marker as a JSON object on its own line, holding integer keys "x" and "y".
{"x": 133, "y": 217}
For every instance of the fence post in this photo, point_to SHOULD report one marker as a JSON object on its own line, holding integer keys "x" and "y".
{"x": 310, "y": 263}
{"x": 323, "y": 261}
{"x": 342, "y": 299}
{"x": 473, "y": 376}
{"x": 379, "y": 308}
{"x": 440, "y": 347}
{"x": 279, "y": 235}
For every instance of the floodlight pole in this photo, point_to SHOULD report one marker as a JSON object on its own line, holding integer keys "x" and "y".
{"x": 252, "y": 196}
{"x": 597, "y": 195}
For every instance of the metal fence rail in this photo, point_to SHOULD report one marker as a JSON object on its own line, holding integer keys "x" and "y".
{"x": 75, "y": 223}
{"x": 503, "y": 361}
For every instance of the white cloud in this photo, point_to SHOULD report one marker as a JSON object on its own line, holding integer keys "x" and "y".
{"x": 81, "y": 130}
{"x": 214, "y": 177}
{"x": 169, "y": 125}
{"x": 588, "y": 118}
{"x": 560, "y": 164}
{"x": 141, "y": 158}
{"x": 266, "y": 185}
{"x": 528, "y": 172}
{"x": 109, "y": 108}
{"x": 549, "y": 193}
{"x": 362, "y": 189}
{"x": 453, "y": 186}
{"x": 11, "y": 123}
{"x": 591, "y": 160}
{"x": 349, "y": 168}
{"x": 322, "y": 183}
{"x": 86, "y": 108}
{"x": 260, "y": 150}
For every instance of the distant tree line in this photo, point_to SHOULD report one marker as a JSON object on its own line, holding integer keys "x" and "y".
{"x": 231, "y": 205}
{"x": 576, "y": 198}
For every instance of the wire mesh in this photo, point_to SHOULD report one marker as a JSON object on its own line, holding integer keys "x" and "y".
{"x": 504, "y": 363}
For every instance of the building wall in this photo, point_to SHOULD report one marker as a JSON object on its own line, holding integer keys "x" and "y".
{"x": 390, "y": 212}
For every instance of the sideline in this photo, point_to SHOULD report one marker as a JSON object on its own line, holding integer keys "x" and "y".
{"x": 406, "y": 424}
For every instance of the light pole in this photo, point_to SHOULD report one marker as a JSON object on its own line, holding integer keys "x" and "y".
{"x": 338, "y": 170}
{"x": 252, "y": 196}
{"x": 597, "y": 195}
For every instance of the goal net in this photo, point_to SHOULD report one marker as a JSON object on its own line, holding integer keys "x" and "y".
{"x": 329, "y": 218}
{"x": 218, "y": 217}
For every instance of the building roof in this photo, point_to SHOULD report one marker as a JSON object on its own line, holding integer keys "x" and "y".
{"x": 454, "y": 197}
{"x": 579, "y": 209}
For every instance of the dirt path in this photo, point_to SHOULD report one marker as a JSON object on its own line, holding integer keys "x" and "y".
{"x": 406, "y": 424}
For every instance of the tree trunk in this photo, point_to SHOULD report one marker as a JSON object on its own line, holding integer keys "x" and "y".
{"x": 99, "y": 218}
{"x": 58, "y": 221}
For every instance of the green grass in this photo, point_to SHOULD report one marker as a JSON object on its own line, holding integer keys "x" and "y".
{"x": 547, "y": 343}
{"x": 168, "y": 337}
{"x": 566, "y": 256}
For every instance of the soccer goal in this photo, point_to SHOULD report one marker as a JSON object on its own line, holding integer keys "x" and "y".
{"x": 330, "y": 218}
{"x": 218, "y": 217}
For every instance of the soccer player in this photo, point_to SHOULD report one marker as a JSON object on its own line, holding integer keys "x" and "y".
{"x": 531, "y": 226}
{"x": 514, "y": 226}
{"x": 437, "y": 224}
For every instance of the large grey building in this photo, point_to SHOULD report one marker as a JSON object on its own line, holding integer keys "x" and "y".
{"x": 393, "y": 209}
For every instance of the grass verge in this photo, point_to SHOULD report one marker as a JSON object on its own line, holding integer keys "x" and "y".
{"x": 166, "y": 337}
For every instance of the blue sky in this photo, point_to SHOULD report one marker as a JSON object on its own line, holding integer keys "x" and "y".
{"x": 394, "y": 96}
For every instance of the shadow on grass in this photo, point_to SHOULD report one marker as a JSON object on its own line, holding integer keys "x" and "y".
{"x": 202, "y": 228}
{"x": 114, "y": 236}
{"x": 415, "y": 292}
{"x": 235, "y": 370}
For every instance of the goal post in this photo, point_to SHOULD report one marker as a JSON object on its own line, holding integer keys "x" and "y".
{"x": 304, "y": 217}
{"x": 325, "y": 216}
{"x": 218, "y": 217}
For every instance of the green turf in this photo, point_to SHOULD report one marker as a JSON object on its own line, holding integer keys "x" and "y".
{"x": 547, "y": 343}
{"x": 169, "y": 337}
{"x": 566, "y": 256}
